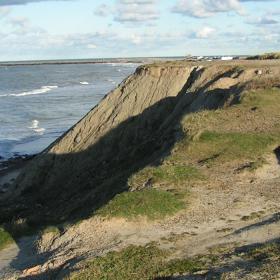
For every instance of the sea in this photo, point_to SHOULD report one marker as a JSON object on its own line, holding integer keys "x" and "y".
{"x": 40, "y": 102}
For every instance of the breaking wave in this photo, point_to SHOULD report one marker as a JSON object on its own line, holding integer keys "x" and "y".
{"x": 41, "y": 90}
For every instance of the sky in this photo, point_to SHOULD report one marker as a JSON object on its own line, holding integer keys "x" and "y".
{"x": 73, "y": 29}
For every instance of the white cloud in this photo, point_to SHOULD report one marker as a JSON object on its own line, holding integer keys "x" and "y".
{"x": 91, "y": 46}
{"x": 206, "y": 8}
{"x": 205, "y": 32}
{"x": 136, "y": 11}
{"x": 136, "y": 39}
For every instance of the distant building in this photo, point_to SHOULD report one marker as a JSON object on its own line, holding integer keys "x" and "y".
{"x": 226, "y": 58}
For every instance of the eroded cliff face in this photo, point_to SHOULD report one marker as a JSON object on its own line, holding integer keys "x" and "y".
{"x": 134, "y": 125}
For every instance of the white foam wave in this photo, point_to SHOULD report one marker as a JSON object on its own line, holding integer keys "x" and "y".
{"x": 41, "y": 90}
{"x": 34, "y": 124}
{"x": 35, "y": 127}
{"x": 39, "y": 130}
{"x": 84, "y": 83}
{"x": 123, "y": 64}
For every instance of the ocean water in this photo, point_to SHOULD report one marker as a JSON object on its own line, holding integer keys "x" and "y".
{"x": 40, "y": 102}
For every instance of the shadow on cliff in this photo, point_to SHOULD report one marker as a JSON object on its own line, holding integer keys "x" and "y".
{"x": 69, "y": 187}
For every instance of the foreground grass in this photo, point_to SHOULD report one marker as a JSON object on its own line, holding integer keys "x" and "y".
{"x": 135, "y": 262}
{"x": 5, "y": 238}
{"x": 150, "y": 262}
{"x": 150, "y": 203}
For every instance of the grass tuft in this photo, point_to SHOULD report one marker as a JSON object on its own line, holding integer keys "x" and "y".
{"x": 224, "y": 147}
{"x": 50, "y": 229}
{"x": 173, "y": 174}
{"x": 150, "y": 203}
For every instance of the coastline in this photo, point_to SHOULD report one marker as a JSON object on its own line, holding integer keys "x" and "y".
{"x": 139, "y": 60}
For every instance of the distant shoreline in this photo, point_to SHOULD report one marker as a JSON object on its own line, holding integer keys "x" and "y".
{"x": 9, "y": 64}
{"x": 136, "y": 60}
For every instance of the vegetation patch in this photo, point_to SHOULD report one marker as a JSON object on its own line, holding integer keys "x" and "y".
{"x": 165, "y": 174}
{"x": 265, "y": 251}
{"x": 149, "y": 202}
{"x": 273, "y": 55}
{"x": 216, "y": 147}
{"x": 135, "y": 262}
{"x": 5, "y": 238}
{"x": 265, "y": 98}
{"x": 50, "y": 229}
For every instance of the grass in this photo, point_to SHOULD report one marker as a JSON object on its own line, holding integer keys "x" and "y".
{"x": 176, "y": 173}
{"x": 265, "y": 98}
{"x": 5, "y": 238}
{"x": 218, "y": 147}
{"x": 135, "y": 263}
{"x": 244, "y": 132}
{"x": 253, "y": 108}
{"x": 273, "y": 55}
{"x": 50, "y": 229}
{"x": 265, "y": 251}
{"x": 150, "y": 203}
{"x": 149, "y": 263}
{"x": 165, "y": 174}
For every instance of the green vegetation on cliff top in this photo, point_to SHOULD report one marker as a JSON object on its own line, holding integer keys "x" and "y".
{"x": 212, "y": 139}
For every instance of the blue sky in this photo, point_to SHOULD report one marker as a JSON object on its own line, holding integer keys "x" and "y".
{"x": 49, "y": 29}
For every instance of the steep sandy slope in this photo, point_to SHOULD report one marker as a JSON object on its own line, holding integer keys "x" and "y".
{"x": 134, "y": 125}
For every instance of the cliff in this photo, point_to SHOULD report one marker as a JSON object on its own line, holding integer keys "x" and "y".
{"x": 133, "y": 126}
{"x": 175, "y": 172}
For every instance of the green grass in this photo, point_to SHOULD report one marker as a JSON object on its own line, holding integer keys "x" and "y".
{"x": 181, "y": 266}
{"x": 176, "y": 173}
{"x": 217, "y": 147}
{"x": 5, "y": 238}
{"x": 165, "y": 174}
{"x": 265, "y": 98}
{"x": 150, "y": 203}
{"x": 269, "y": 250}
{"x": 149, "y": 262}
{"x": 51, "y": 229}
{"x": 135, "y": 263}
